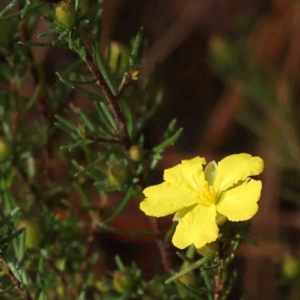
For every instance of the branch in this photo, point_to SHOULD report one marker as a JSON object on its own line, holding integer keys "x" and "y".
{"x": 102, "y": 140}
{"x": 113, "y": 103}
{"x": 110, "y": 97}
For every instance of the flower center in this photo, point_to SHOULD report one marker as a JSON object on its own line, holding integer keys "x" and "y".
{"x": 208, "y": 194}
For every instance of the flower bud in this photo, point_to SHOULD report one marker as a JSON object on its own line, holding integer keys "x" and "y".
{"x": 222, "y": 50}
{"x": 116, "y": 50}
{"x": 102, "y": 286}
{"x": 123, "y": 281}
{"x": 34, "y": 233}
{"x": 5, "y": 149}
{"x": 82, "y": 130}
{"x": 136, "y": 153}
{"x": 117, "y": 175}
{"x": 65, "y": 15}
{"x": 291, "y": 266}
{"x": 209, "y": 250}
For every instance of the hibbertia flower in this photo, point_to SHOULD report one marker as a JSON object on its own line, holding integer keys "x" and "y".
{"x": 198, "y": 197}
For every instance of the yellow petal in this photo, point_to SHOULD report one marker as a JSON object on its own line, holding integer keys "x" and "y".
{"x": 197, "y": 227}
{"x": 188, "y": 175}
{"x": 165, "y": 199}
{"x": 235, "y": 168}
{"x": 240, "y": 203}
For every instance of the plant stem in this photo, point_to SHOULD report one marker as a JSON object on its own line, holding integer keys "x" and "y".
{"x": 110, "y": 97}
{"x": 218, "y": 282}
{"x": 113, "y": 103}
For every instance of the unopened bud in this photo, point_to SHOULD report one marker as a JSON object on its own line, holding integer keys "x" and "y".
{"x": 209, "y": 250}
{"x": 102, "y": 286}
{"x": 118, "y": 50}
{"x": 5, "y": 149}
{"x": 136, "y": 153}
{"x": 291, "y": 266}
{"x": 82, "y": 130}
{"x": 117, "y": 175}
{"x": 65, "y": 15}
{"x": 123, "y": 281}
{"x": 34, "y": 233}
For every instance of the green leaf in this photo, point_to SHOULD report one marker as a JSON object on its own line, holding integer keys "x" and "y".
{"x": 171, "y": 128}
{"x": 10, "y": 287}
{"x": 248, "y": 239}
{"x": 79, "y": 143}
{"x": 190, "y": 268}
{"x": 185, "y": 257}
{"x": 135, "y": 48}
{"x": 121, "y": 205}
{"x": 12, "y": 266}
{"x": 119, "y": 263}
{"x": 9, "y": 7}
{"x": 229, "y": 285}
{"x": 168, "y": 142}
{"x": 76, "y": 86}
{"x": 127, "y": 232}
{"x": 66, "y": 123}
{"x": 10, "y": 237}
{"x": 8, "y": 218}
{"x": 102, "y": 67}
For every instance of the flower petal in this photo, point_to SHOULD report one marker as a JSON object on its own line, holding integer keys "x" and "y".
{"x": 197, "y": 227}
{"x": 210, "y": 172}
{"x": 187, "y": 175}
{"x": 235, "y": 168}
{"x": 165, "y": 199}
{"x": 240, "y": 203}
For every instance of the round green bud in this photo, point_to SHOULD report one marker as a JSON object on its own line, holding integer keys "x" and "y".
{"x": 117, "y": 175}
{"x": 102, "y": 286}
{"x": 291, "y": 266}
{"x": 34, "y": 233}
{"x": 209, "y": 250}
{"x": 136, "y": 153}
{"x": 5, "y": 148}
{"x": 116, "y": 50}
{"x": 123, "y": 281}
{"x": 65, "y": 15}
{"x": 222, "y": 50}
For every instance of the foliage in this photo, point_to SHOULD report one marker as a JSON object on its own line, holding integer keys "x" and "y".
{"x": 46, "y": 248}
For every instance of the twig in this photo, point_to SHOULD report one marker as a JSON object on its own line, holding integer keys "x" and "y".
{"x": 126, "y": 81}
{"x": 102, "y": 140}
{"x": 17, "y": 284}
{"x": 113, "y": 102}
{"x": 218, "y": 282}
{"x": 110, "y": 97}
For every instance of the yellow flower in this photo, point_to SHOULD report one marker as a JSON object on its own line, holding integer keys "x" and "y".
{"x": 197, "y": 196}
